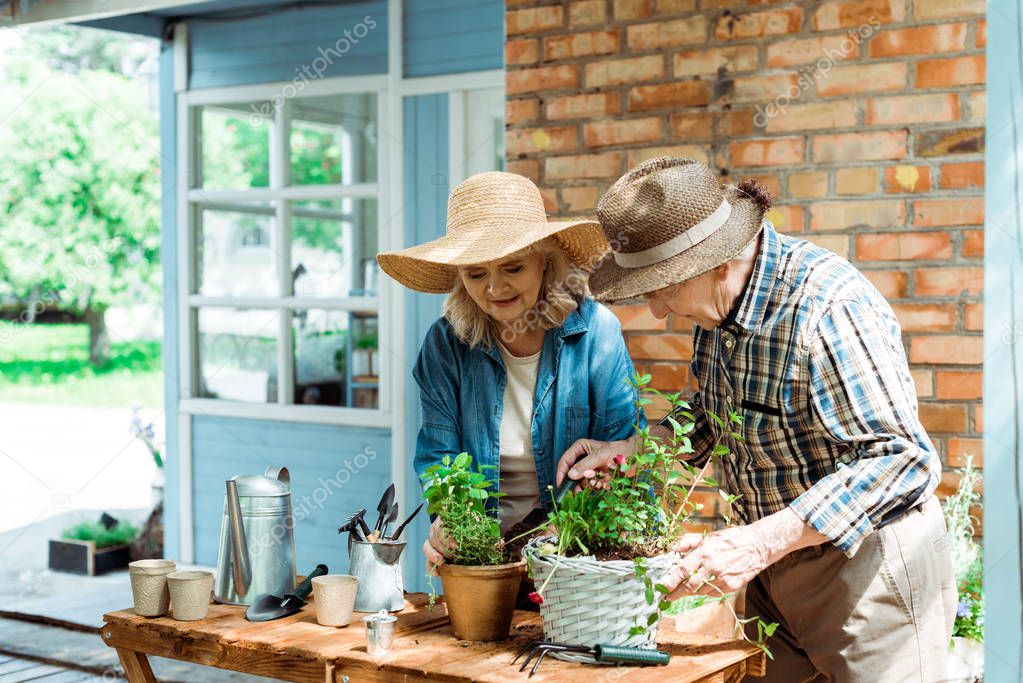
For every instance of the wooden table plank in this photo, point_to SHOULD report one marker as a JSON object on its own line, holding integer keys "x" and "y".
{"x": 296, "y": 648}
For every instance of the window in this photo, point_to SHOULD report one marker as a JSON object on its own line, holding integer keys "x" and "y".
{"x": 283, "y": 209}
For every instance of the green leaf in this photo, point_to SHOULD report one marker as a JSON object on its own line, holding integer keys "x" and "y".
{"x": 652, "y": 619}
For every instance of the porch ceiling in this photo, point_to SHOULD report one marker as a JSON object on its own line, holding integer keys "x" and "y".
{"x": 99, "y": 12}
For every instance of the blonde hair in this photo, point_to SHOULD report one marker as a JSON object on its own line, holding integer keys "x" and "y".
{"x": 562, "y": 290}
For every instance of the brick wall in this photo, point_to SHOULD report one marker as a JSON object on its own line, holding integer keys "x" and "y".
{"x": 865, "y": 119}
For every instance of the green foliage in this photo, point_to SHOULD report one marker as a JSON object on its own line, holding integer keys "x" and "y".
{"x": 645, "y": 502}
{"x": 458, "y": 495}
{"x": 967, "y": 554}
{"x": 79, "y": 190}
{"x": 119, "y": 534}
{"x": 72, "y": 49}
{"x": 49, "y": 364}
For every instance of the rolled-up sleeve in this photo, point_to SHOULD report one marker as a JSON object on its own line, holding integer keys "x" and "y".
{"x": 862, "y": 399}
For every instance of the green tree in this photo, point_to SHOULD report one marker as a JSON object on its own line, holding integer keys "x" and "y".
{"x": 79, "y": 193}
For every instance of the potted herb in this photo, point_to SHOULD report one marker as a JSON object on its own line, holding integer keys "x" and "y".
{"x": 600, "y": 578}
{"x": 93, "y": 548}
{"x": 480, "y": 582}
{"x": 966, "y": 657}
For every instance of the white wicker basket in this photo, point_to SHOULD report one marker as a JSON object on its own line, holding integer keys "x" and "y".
{"x": 591, "y": 602}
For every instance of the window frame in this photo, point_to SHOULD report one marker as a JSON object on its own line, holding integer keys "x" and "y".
{"x": 193, "y": 200}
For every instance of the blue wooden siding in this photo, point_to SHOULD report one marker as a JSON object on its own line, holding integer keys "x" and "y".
{"x": 452, "y": 36}
{"x": 426, "y": 188}
{"x": 169, "y": 263}
{"x": 1003, "y": 346}
{"x": 276, "y": 47}
{"x": 334, "y": 471}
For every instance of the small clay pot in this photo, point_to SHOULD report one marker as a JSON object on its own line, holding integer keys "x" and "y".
{"x": 149, "y": 586}
{"x": 334, "y": 597}
{"x": 481, "y": 600}
{"x": 190, "y": 594}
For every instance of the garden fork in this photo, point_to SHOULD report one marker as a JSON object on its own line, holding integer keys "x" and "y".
{"x": 617, "y": 654}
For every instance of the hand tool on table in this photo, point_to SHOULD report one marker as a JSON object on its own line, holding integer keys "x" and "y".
{"x": 384, "y": 508}
{"x": 351, "y": 525}
{"x": 401, "y": 527}
{"x": 268, "y": 607}
{"x": 382, "y": 535}
{"x": 362, "y": 523}
{"x": 616, "y": 654}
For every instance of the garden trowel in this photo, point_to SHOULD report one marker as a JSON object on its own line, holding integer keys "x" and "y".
{"x": 268, "y": 607}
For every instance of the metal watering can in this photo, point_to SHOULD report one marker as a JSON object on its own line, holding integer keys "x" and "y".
{"x": 257, "y": 538}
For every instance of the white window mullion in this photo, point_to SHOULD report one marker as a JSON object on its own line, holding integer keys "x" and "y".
{"x": 302, "y": 192}
{"x": 189, "y": 132}
{"x": 274, "y": 204}
{"x": 280, "y": 176}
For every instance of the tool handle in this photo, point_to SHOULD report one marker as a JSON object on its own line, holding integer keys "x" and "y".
{"x": 567, "y": 483}
{"x": 306, "y": 587}
{"x": 630, "y": 655}
{"x": 362, "y": 524}
{"x": 401, "y": 527}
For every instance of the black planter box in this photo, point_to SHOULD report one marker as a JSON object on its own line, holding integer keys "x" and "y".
{"x": 81, "y": 557}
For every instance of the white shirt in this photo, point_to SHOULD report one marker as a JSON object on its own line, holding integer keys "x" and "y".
{"x": 518, "y": 469}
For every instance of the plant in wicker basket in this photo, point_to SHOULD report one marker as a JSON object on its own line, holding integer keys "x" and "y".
{"x": 601, "y": 577}
{"x": 480, "y": 582}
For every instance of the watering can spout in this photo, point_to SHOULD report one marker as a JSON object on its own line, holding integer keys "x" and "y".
{"x": 241, "y": 566}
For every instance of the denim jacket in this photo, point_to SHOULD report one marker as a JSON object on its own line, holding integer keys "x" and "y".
{"x": 581, "y": 392}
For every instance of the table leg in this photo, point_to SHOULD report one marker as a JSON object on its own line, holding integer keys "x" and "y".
{"x": 136, "y": 666}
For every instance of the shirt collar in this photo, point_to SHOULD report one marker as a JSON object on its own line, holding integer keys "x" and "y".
{"x": 575, "y": 323}
{"x": 748, "y": 313}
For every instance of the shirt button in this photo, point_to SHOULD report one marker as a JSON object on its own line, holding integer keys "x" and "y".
{"x": 728, "y": 343}
{"x": 728, "y": 399}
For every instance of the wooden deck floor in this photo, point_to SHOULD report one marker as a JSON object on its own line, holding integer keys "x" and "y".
{"x": 13, "y": 670}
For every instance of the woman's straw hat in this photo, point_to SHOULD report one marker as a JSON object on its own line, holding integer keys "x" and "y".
{"x": 669, "y": 220}
{"x": 490, "y": 216}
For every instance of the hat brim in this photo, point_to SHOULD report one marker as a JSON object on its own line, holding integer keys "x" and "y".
{"x": 433, "y": 266}
{"x": 612, "y": 282}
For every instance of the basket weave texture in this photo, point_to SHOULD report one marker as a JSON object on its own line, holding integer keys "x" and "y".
{"x": 591, "y": 602}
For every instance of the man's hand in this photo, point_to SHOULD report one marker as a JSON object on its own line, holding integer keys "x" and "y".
{"x": 599, "y": 455}
{"x": 437, "y": 546}
{"x": 726, "y": 560}
{"x": 721, "y": 562}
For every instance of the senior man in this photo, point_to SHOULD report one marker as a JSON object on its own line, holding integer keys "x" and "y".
{"x": 843, "y": 543}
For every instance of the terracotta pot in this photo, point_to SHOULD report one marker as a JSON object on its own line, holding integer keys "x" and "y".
{"x": 481, "y": 600}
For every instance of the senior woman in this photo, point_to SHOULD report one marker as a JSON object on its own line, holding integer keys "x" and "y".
{"x": 523, "y": 363}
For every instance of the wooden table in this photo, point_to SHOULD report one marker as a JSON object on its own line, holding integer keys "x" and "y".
{"x": 296, "y": 648}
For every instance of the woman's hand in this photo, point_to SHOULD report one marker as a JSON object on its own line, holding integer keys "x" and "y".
{"x": 437, "y": 546}
{"x": 597, "y": 463}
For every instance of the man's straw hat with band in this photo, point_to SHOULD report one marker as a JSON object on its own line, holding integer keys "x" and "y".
{"x": 669, "y": 220}
{"x": 490, "y": 216}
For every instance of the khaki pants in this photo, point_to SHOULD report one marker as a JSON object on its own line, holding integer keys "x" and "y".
{"x": 884, "y": 615}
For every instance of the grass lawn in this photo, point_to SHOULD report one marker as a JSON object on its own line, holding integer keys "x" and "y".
{"x": 50, "y": 364}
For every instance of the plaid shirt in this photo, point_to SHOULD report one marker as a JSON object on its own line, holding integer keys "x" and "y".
{"x": 812, "y": 359}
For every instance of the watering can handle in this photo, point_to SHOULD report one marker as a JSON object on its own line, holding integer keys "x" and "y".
{"x": 239, "y": 547}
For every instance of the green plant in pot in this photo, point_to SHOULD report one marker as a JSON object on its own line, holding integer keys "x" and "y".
{"x": 600, "y": 578}
{"x": 966, "y": 658}
{"x": 480, "y": 582}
